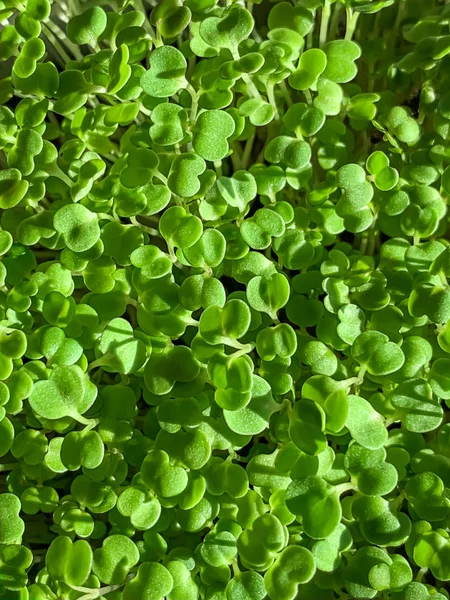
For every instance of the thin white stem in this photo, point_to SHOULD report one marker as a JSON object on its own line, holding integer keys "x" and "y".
{"x": 95, "y": 592}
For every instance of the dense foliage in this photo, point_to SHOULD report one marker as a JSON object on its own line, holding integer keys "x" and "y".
{"x": 224, "y": 299}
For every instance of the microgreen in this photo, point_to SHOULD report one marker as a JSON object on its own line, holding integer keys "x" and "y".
{"x": 224, "y": 299}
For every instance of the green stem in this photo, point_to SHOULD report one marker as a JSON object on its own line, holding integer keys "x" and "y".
{"x": 247, "y": 152}
{"x": 192, "y": 322}
{"x": 421, "y": 574}
{"x": 191, "y": 66}
{"x": 246, "y": 348}
{"x": 77, "y": 7}
{"x": 324, "y": 21}
{"x": 194, "y": 105}
{"x": 172, "y": 253}
{"x": 308, "y": 96}
{"x": 60, "y": 35}
{"x": 395, "y": 504}
{"x": 65, "y": 58}
{"x": 149, "y": 230}
{"x": 271, "y": 97}
{"x": 356, "y": 381}
{"x": 238, "y": 345}
{"x": 105, "y": 216}
{"x": 363, "y": 244}
{"x": 362, "y": 372}
{"x": 18, "y": 5}
{"x": 56, "y": 171}
{"x": 237, "y": 157}
{"x": 344, "y": 487}
{"x": 107, "y": 98}
{"x": 251, "y": 87}
{"x": 288, "y": 406}
{"x": 371, "y": 243}
{"x": 139, "y": 6}
{"x": 91, "y": 423}
{"x": 334, "y": 25}
{"x": 96, "y": 592}
{"x": 158, "y": 40}
{"x": 398, "y": 20}
{"x": 350, "y": 381}
{"x": 235, "y": 566}
{"x": 395, "y": 417}
{"x": 132, "y": 301}
{"x": 161, "y": 177}
{"x": 352, "y": 20}
{"x": 286, "y": 93}
{"x": 100, "y": 361}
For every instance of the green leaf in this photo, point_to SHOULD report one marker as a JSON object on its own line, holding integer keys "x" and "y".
{"x": 12, "y": 526}
{"x": 113, "y": 561}
{"x": 69, "y": 562}
{"x": 294, "y": 566}
{"x": 365, "y": 424}
{"x": 87, "y": 27}
{"x": 341, "y": 56}
{"x": 166, "y": 74}
{"x": 228, "y": 30}
{"x": 68, "y": 392}
{"x": 312, "y": 64}
{"x": 212, "y": 130}
{"x": 152, "y": 582}
{"x": 316, "y": 503}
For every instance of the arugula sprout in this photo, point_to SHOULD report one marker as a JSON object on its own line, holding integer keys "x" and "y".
{"x": 224, "y": 299}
